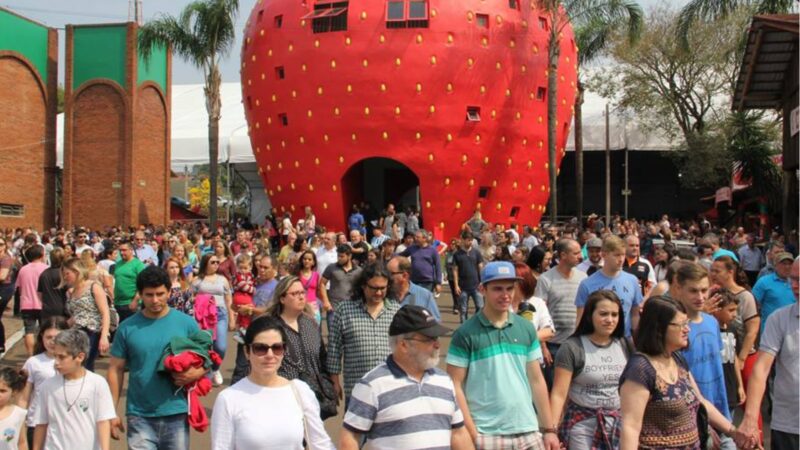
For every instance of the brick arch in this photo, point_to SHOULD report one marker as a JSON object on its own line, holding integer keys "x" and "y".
{"x": 151, "y": 157}
{"x": 23, "y": 148}
{"x": 97, "y": 157}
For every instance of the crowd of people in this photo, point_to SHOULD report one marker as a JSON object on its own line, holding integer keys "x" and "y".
{"x": 658, "y": 334}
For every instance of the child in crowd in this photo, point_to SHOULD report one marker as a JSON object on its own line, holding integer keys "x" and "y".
{"x": 12, "y": 417}
{"x": 731, "y": 367}
{"x": 243, "y": 288}
{"x": 40, "y": 367}
{"x": 75, "y": 408}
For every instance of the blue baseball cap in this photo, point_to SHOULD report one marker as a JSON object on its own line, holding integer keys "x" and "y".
{"x": 723, "y": 252}
{"x": 498, "y": 270}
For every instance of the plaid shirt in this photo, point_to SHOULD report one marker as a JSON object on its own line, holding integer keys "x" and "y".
{"x": 362, "y": 341}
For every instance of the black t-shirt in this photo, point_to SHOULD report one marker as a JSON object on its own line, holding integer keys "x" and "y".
{"x": 467, "y": 263}
{"x": 361, "y": 258}
{"x": 640, "y": 270}
{"x": 54, "y": 300}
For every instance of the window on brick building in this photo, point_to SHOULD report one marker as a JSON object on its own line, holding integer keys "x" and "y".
{"x": 11, "y": 210}
{"x": 407, "y": 14}
{"x": 328, "y": 17}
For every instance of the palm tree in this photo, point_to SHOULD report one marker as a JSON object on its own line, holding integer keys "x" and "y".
{"x": 710, "y": 10}
{"x": 591, "y": 36}
{"x": 579, "y": 12}
{"x": 202, "y": 34}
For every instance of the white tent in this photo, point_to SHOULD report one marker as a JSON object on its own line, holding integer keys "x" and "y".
{"x": 623, "y": 131}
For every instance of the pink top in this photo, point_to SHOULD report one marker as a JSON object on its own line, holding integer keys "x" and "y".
{"x": 310, "y": 285}
{"x": 28, "y": 284}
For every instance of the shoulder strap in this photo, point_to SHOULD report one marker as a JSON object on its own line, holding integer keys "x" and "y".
{"x": 299, "y": 401}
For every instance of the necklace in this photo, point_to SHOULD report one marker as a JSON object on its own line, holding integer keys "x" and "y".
{"x": 64, "y": 385}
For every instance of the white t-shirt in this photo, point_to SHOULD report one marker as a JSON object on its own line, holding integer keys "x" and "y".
{"x": 247, "y": 416}
{"x": 541, "y": 319}
{"x": 80, "y": 249}
{"x": 11, "y": 427}
{"x": 74, "y": 427}
{"x": 40, "y": 368}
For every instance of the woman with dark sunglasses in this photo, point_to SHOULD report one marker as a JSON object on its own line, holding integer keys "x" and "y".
{"x": 265, "y": 410}
{"x": 210, "y": 281}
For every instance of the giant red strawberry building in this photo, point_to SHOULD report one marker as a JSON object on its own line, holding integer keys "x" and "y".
{"x": 455, "y": 91}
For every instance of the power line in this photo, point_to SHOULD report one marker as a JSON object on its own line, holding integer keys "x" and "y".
{"x": 62, "y": 12}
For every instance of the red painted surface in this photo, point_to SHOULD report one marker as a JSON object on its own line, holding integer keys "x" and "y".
{"x": 403, "y": 94}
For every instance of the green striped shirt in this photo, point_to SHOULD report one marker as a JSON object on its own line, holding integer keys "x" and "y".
{"x": 496, "y": 359}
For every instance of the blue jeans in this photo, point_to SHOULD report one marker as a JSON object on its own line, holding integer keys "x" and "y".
{"x": 221, "y": 342}
{"x": 94, "y": 348}
{"x": 463, "y": 302}
{"x": 550, "y": 369}
{"x": 158, "y": 433}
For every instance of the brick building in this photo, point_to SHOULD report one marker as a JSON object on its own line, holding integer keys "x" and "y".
{"x": 116, "y": 128}
{"x": 28, "y": 85}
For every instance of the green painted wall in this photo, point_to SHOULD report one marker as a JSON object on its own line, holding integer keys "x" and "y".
{"x": 27, "y": 38}
{"x": 155, "y": 69}
{"x": 99, "y": 52}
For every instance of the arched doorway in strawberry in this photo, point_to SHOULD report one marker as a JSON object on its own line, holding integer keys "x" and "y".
{"x": 380, "y": 181}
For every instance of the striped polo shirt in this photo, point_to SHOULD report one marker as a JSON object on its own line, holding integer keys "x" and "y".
{"x": 396, "y": 411}
{"x": 496, "y": 359}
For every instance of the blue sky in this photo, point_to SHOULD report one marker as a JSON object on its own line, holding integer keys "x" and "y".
{"x": 60, "y": 13}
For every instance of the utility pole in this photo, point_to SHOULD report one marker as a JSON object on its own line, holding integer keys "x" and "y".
{"x": 608, "y": 170}
{"x": 135, "y": 11}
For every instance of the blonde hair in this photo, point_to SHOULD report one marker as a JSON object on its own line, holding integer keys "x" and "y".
{"x": 87, "y": 258}
{"x": 76, "y": 265}
{"x": 613, "y": 244}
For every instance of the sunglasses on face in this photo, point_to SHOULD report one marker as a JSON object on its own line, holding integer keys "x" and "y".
{"x": 213, "y": 262}
{"x": 260, "y": 349}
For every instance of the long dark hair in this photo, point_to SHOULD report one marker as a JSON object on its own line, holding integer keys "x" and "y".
{"x": 739, "y": 277}
{"x": 657, "y": 314}
{"x": 375, "y": 270}
{"x": 536, "y": 257}
{"x": 55, "y": 322}
{"x": 586, "y": 326}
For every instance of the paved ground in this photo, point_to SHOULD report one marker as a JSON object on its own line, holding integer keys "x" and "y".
{"x": 16, "y": 356}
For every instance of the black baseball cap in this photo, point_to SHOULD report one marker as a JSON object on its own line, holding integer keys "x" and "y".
{"x": 416, "y": 319}
{"x": 344, "y": 248}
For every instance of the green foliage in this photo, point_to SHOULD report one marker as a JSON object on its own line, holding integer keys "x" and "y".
{"x": 710, "y": 11}
{"x": 751, "y": 143}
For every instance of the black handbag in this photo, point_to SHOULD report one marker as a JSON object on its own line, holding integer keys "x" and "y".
{"x": 320, "y": 384}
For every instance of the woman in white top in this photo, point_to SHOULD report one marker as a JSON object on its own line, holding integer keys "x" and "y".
{"x": 532, "y": 308}
{"x": 265, "y": 411}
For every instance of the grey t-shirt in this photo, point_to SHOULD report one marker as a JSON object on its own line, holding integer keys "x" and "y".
{"x": 559, "y": 294}
{"x": 595, "y": 370}
{"x": 341, "y": 282}
{"x": 781, "y": 339}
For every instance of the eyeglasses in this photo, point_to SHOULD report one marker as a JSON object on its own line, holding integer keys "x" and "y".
{"x": 297, "y": 294}
{"x": 377, "y": 288}
{"x": 260, "y": 349}
{"x": 428, "y": 340}
{"x": 213, "y": 262}
{"x": 684, "y": 324}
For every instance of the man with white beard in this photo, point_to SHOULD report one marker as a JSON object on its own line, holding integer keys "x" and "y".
{"x": 431, "y": 417}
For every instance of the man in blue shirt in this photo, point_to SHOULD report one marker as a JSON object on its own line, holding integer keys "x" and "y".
{"x": 143, "y": 251}
{"x": 704, "y": 353}
{"x": 773, "y": 291}
{"x": 407, "y": 293}
{"x": 426, "y": 264}
{"x": 611, "y": 277}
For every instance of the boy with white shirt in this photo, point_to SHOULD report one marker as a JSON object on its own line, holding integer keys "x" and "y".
{"x": 75, "y": 409}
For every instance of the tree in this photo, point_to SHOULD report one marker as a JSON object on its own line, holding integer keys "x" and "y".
{"x": 593, "y": 33}
{"x": 751, "y": 145}
{"x": 202, "y": 34}
{"x": 712, "y": 10}
{"x": 684, "y": 94}
{"x": 561, "y": 13}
